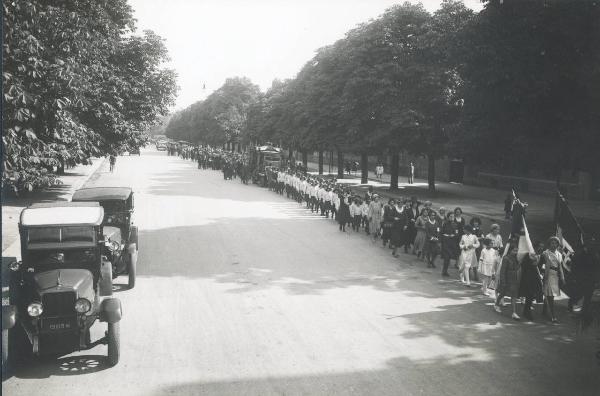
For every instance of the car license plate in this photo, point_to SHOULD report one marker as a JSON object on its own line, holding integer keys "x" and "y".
{"x": 59, "y": 324}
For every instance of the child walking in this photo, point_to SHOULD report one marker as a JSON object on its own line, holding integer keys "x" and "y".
{"x": 488, "y": 260}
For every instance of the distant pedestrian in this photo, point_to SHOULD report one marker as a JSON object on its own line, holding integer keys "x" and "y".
{"x": 112, "y": 160}
{"x": 379, "y": 171}
{"x": 411, "y": 173}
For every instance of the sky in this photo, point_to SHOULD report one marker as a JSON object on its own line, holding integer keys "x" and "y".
{"x": 211, "y": 40}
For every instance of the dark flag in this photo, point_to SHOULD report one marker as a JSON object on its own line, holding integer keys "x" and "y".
{"x": 568, "y": 230}
{"x": 570, "y": 235}
{"x": 519, "y": 230}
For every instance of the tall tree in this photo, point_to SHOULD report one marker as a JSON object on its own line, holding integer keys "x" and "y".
{"x": 71, "y": 80}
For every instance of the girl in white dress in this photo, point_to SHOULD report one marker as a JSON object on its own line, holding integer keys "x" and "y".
{"x": 468, "y": 257}
{"x": 488, "y": 261}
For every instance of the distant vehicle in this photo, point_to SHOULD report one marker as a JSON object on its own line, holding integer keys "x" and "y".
{"x": 161, "y": 146}
{"x": 135, "y": 151}
{"x": 118, "y": 227}
{"x": 262, "y": 158}
{"x": 62, "y": 286}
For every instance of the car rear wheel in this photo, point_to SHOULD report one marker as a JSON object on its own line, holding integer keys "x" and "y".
{"x": 114, "y": 343}
{"x": 132, "y": 269}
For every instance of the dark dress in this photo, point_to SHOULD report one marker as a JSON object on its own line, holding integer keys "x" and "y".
{"x": 509, "y": 279}
{"x": 450, "y": 243}
{"x": 343, "y": 216}
{"x": 388, "y": 222}
{"x": 399, "y": 221}
{"x": 432, "y": 241}
{"x": 411, "y": 231}
{"x": 531, "y": 280}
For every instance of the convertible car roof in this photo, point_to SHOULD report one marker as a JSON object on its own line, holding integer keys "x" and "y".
{"x": 102, "y": 194}
{"x": 62, "y": 213}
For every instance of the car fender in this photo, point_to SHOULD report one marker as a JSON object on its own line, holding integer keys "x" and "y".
{"x": 110, "y": 310}
{"x": 133, "y": 237}
{"x": 9, "y": 316}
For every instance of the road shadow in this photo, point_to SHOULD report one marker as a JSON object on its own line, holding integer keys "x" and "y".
{"x": 47, "y": 367}
{"x": 49, "y": 194}
{"x": 408, "y": 376}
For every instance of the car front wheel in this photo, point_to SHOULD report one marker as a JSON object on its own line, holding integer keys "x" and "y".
{"x": 114, "y": 343}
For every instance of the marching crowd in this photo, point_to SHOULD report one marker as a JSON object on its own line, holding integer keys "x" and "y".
{"x": 429, "y": 234}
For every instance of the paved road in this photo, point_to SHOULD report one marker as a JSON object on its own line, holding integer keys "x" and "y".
{"x": 240, "y": 291}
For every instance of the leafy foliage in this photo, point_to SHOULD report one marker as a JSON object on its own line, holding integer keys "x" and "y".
{"x": 533, "y": 86}
{"x": 77, "y": 83}
{"x": 220, "y": 118}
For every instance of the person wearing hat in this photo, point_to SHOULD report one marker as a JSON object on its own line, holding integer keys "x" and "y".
{"x": 374, "y": 215}
{"x": 552, "y": 262}
{"x": 449, "y": 242}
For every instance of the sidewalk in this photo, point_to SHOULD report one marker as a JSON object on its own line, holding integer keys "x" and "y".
{"x": 483, "y": 202}
{"x": 72, "y": 180}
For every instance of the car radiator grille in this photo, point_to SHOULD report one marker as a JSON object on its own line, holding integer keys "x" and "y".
{"x": 59, "y": 304}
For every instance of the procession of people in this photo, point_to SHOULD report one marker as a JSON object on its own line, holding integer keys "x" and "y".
{"x": 416, "y": 228}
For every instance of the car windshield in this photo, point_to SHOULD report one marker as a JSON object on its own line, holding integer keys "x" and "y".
{"x": 112, "y": 207}
{"x": 72, "y": 258}
{"x": 39, "y": 238}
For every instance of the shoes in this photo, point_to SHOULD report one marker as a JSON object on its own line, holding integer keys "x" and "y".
{"x": 445, "y": 274}
{"x": 554, "y": 320}
{"x": 497, "y": 308}
{"x": 515, "y": 316}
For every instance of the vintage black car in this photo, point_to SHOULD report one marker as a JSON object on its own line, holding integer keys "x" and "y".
{"x": 118, "y": 229}
{"x": 63, "y": 284}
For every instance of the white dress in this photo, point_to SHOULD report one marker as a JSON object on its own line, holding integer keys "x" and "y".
{"x": 468, "y": 258}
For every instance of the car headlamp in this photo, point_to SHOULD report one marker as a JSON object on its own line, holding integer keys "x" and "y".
{"x": 14, "y": 266}
{"x": 83, "y": 305}
{"x": 35, "y": 309}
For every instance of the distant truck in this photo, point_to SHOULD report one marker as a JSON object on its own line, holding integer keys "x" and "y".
{"x": 262, "y": 158}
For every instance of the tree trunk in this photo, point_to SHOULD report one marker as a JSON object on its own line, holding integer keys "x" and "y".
{"x": 364, "y": 168}
{"x": 340, "y": 165}
{"x": 394, "y": 171}
{"x": 431, "y": 172}
{"x": 320, "y": 162}
{"x": 305, "y": 158}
